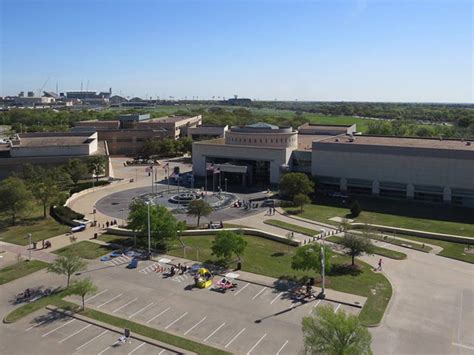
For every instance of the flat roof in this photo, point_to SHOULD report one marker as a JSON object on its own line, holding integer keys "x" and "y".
{"x": 321, "y": 125}
{"x": 171, "y": 119}
{"x": 405, "y": 142}
{"x": 51, "y": 141}
{"x": 305, "y": 141}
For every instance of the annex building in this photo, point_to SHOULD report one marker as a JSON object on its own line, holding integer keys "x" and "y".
{"x": 425, "y": 169}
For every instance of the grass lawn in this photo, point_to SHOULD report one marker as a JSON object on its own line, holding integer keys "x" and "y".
{"x": 20, "y": 269}
{"x": 291, "y": 227}
{"x": 116, "y": 239}
{"x": 402, "y": 214}
{"x": 84, "y": 249}
{"x": 28, "y": 308}
{"x": 377, "y": 250}
{"x": 270, "y": 258}
{"x": 450, "y": 249}
{"x": 38, "y": 227}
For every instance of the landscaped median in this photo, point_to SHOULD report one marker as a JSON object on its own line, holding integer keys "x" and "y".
{"x": 291, "y": 227}
{"x": 392, "y": 254}
{"x": 84, "y": 249}
{"x": 20, "y": 269}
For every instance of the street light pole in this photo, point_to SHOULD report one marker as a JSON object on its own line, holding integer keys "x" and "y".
{"x": 225, "y": 181}
{"x": 149, "y": 229}
{"x": 29, "y": 249}
{"x": 323, "y": 295}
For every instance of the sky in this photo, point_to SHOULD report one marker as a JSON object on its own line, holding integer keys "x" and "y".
{"x": 328, "y": 50}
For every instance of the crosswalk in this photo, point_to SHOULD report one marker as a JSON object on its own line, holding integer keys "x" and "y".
{"x": 152, "y": 268}
{"x": 181, "y": 278}
{"x": 120, "y": 260}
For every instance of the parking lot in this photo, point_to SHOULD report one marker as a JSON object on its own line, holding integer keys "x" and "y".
{"x": 252, "y": 319}
{"x": 65, "y": 335}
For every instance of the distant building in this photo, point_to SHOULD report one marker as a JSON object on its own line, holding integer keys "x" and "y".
{"x": 176, "y": 126}
{"x": 48, "y": 149}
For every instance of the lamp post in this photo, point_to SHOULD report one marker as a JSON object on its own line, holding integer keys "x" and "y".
{"x": 29, "y": 249}
{"x": 225, "y": 182}
{"x": 322, "y": 295}
{"x": 149, "y": 229}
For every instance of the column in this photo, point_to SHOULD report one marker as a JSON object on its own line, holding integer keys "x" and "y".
{"x": 447, "y": 195}
{"x": 410, "y": 191}
{"x": 343, "y": 184}
{"x": 375, "y": 188}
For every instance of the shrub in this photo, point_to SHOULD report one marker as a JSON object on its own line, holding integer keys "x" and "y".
{"x": 65, "y": 215}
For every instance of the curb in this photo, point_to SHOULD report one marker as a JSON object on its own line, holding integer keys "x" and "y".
{"x": 119, "y": 330}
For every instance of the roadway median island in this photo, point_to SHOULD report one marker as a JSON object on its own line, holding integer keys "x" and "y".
{"x": 392, "y": 254}
{"x": 291, "y": 227}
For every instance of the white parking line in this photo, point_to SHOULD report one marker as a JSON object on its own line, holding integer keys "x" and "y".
{"x": 194, "y": 326}
{"x": 125, "y": 305}
{"x": 239, "y": 291}
{"x": 138, "y": 347}
{"x": 464, "y": 346}
{"x": 214, "y": 332}
{"x": 173, "y": 322}
{"x": 337, "y": 308}
{"x": 75, "y": 333}
{"x": 159, "y": 314}
{"x": 107, "y": 348}
{"x": 317, "y": 304}
{"x": 263, "y": 289}
{"x": 94, "y": 296}
{"x": 112, "y": 299}
{"x": 36, "y": 325}
{"x": 62, "y": 325}
{"x": 141, "y": 310}
{"x": 277, "y": 296}
{"x": 282, "y": 347}
{"x": 255, "y": 345}
{"x": 235, "y": 337}
{"x": 161, "y": 352}
{"x": 91, "y": 340}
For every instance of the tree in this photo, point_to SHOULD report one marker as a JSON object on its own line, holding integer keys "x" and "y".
{"x": 308, "y": 257}
{"x": 186, "y": 145}
{"x": 292, "y": 184}
{"x": 227, "y": 243}
{"x": 355, "y": 209}
{"x": 96, "y": 165}
{"x": 76, "y": 170}
{"x": 15, "y": 197}
{"x": 356, "y": 245}
{"x": 67, "y": 265}
{"x": 83, "y": 288}
{"x": 47, "y": 194}
{"x": 335, "y": 333}
{"x": 300, "y": 200}
{"x": 163, "y": 224}
{"x": 199, "y": 208}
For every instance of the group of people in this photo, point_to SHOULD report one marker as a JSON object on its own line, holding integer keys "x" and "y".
{"x": 245, "y": 204}
{"x": 109, "y": 224}
{"x": 179, "y": 268}
{"x": 271, "y": 211}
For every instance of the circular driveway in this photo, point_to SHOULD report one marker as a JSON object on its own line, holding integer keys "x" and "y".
{"x": 116, "y": 205}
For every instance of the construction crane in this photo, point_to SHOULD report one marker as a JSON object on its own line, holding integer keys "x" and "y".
{"x": 41, "y": 90}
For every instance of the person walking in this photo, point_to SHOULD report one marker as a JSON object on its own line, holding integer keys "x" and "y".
{"x": 380, "y": 265}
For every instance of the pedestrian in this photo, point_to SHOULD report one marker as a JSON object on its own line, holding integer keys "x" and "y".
{"x": 380, "y": 265}
{"x": 42, "y": 244}
{"x": 107, "y": 224}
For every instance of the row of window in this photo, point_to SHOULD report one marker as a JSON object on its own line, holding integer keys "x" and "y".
{"x": 266, "y": 140}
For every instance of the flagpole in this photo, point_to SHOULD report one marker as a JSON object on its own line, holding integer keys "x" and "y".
{"x": 205, "y": 183}
{"x": 168, "y": 175}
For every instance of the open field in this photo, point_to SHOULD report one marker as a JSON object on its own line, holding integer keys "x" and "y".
{"x": 273, "y": 259}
